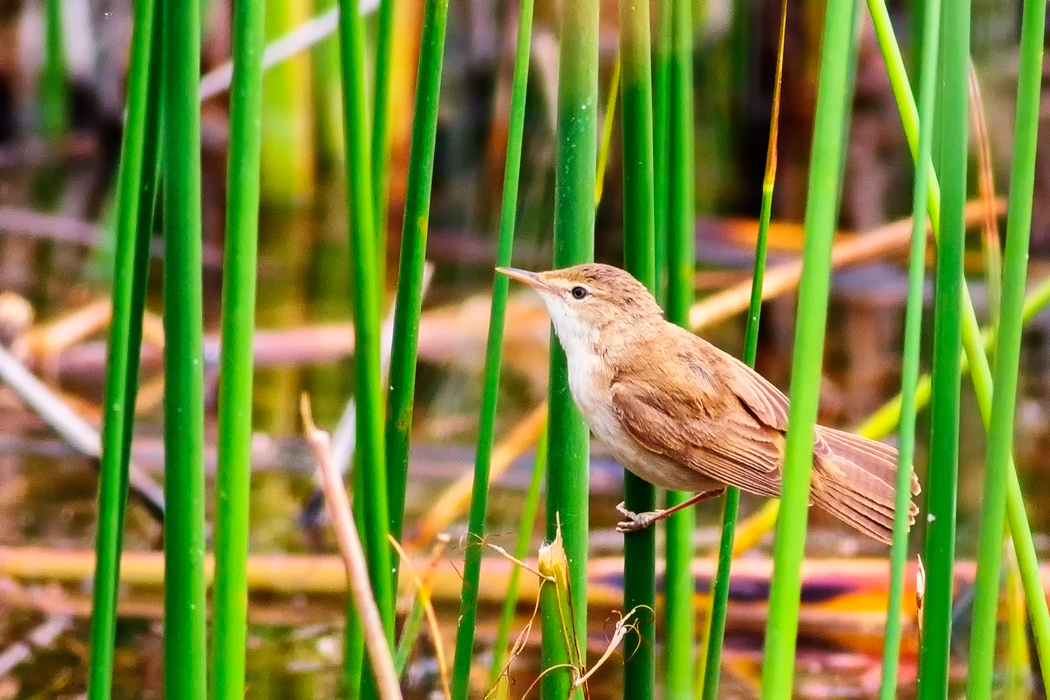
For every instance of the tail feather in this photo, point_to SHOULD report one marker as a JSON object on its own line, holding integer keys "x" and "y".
{"x": 855, "y": 480}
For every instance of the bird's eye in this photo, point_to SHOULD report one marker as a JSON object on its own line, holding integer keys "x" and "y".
{"x": 579, "y": 292}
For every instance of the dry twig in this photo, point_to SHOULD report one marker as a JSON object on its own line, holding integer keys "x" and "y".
{"x": 353, "y": 558}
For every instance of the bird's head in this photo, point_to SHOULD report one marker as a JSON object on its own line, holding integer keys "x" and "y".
{"x": 585, "y": 300}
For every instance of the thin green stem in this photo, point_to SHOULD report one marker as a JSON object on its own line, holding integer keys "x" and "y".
{"x": 569, "y": 443}
{"x": 1000, "y": 433}
{"x": 912, "y": 347}
{"x": 370, "y": 478}
{"x": 711, "y": 662}
{"x": 638, "y": 237}
{"x": 233, "y": 473}
{"x": 136, "y": 186}
{"x": 821, "y": 215}
{"x": 54, "y": 78}
{"x": 185, "y": 650}
{"x": 381, "y": 129}
{"x": 409, "y": 303}
{"x": 493, "y": 361}
{"x": 661, "y": 142}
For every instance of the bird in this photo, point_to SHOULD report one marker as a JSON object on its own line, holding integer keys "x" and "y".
{"x": 682, "y": 414}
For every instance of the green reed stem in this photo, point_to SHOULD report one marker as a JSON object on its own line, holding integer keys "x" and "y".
{"x": 942, "y": 480}
{"x": 233, "y": 473}
{"x": 661, "y": 142}
{"x": 521, "y": 550}
{"x": 136, "y": 187}
{"x": 381, "y": 130}
{"x": 370, "y": 478}
{"x": 185, "y": 652}
{"x": 638, "y": 237}
{"x": 711, "y": 661}
{"x": 493, "y": 361}
{"x": 569, "y": 439}
{"x": 54, "y": 77}
{"x": 912, "y": 347}
{"x": 409, "y": 303}
{"x": 679, "y": 608}
{"x": 974, "y": 345}
{"x": 821, "y": 215}
{"x": 1004, "y": 397}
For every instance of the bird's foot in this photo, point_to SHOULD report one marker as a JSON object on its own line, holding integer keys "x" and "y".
{"x": 635, "y": 522}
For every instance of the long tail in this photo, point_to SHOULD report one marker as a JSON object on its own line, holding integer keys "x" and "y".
{"x": 855, "y": 479}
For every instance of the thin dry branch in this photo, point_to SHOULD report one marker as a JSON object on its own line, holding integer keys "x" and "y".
{"x": 423, "y": 591}
{"x": 353, "y": 558}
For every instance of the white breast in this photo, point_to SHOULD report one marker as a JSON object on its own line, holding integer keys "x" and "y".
{"x": 590, "y": 389}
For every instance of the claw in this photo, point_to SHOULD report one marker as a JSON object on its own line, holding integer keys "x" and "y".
{"x": 635, "y": 522}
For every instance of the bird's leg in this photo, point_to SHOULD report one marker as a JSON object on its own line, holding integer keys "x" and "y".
{"x": 639, "y": 521}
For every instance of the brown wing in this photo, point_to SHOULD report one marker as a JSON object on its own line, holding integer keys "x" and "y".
{"x": 685, "y": 411}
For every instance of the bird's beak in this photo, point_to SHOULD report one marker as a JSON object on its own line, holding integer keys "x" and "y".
{"x": 530, "y": 278}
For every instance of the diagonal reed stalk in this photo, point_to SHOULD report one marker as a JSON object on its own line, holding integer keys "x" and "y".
{"x": 493, "y": 361}
{"x": 912, "y": 346}
{"x": 569, "y": 439}
{"x": 679, "y": 608}
{"x": 184, "y": 600}
{"x": 370, "y": 477}
{"x": 409, "y": 301}
{"x": 638, "y": 237}
{"x": 821, "y": 213}
{"x": 1000, "y": 431}
{"x": 942, "y": 479}
{"x": 233, "y": 472}
{"x": 974, "y": 345}
{"x": 135, "y": 191}
{"x": 711, "y": 646}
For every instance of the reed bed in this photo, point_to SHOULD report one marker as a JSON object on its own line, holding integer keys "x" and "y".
{"x": 660, "y": 199}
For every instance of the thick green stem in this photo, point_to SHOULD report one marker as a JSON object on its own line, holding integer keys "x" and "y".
{"x": 185, "y": 609}
{"x": 638, "y": 231}
{"x": 821, "y": 215}
{"x": 135, "y": 191}
{"x": 942, "y": 480}
{"x": 233, "y": 473}
{"x": 679, "y": 610}
{"x": 569, "y": 444}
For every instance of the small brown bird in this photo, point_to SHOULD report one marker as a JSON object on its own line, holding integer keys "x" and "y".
{"x": 681, "y": 414}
